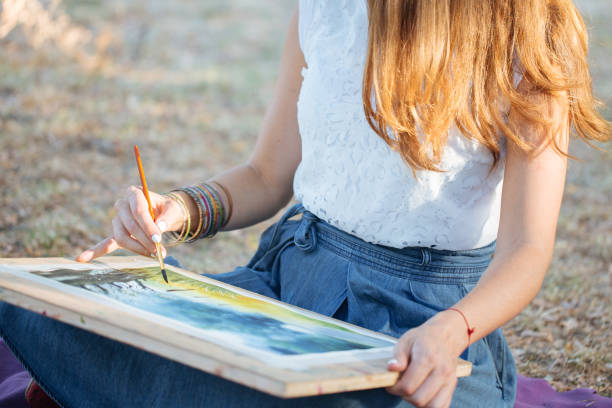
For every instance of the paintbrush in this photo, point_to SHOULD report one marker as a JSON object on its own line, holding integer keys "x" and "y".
{"x": 145, "y": 190}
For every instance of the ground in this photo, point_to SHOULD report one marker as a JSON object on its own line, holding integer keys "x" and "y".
{"x": 189, "y": 82}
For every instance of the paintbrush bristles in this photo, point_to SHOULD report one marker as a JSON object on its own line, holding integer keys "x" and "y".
{"x": 160, "y": 258}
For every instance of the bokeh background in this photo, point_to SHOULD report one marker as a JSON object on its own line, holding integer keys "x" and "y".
{"x": 189, "y": 81}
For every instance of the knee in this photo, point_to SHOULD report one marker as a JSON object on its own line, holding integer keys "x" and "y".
{"x": 9, "y": 322}
{"x": 17, "y": 323}
{"x": 7, "y": 315}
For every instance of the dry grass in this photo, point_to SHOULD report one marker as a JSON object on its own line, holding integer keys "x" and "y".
{"x": 188, "y": 82}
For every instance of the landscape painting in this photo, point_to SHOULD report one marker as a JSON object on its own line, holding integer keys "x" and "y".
{"x": 205, "y": 324}
{"x": 250, "y": 324}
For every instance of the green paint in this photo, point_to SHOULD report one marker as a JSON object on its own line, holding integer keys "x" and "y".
{"x": 233, "y": 316}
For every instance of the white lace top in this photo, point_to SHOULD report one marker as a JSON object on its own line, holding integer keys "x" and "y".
{"x": 352, "y": 179}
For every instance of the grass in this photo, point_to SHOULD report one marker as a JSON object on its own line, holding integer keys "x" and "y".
{"x": 189, "y": 82}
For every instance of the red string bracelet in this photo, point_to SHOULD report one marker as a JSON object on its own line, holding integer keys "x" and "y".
{"x": 470, "y": 330}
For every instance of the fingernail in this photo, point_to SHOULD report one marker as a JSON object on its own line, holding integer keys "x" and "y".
{"x": 164, "y": 253}
{"x": 156, "y": 238}
{"x": 162, "y": 225}
{"x": 86, "y": 254}
{"x": 392, "y": 361}
{"x": 83, "y": 256}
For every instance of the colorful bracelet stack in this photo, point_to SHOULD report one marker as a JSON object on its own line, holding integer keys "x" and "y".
{"x": 212, "y": 214}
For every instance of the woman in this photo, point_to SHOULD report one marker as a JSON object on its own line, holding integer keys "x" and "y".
{"x": 420, "y": 136}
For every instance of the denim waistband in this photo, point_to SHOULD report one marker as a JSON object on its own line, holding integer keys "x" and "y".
{"x": 422, "y": 263}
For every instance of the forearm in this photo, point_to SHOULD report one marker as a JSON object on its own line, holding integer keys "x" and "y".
{"x": 254, "y": 198}
{"x": 507, "y": 286}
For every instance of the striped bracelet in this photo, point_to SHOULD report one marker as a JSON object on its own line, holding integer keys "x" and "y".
{"x": 212, "y": 213}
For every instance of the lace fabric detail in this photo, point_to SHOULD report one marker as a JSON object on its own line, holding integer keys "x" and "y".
{"x": 352, "y": 179}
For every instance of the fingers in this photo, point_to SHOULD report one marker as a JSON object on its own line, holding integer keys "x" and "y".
{"x": 123, "y": 238}
{"x": 444, "y": 397}
{"x": 407, "y": 385}
{"x": 429, "y": 371}
{"x": 422, "y": 362}
{"x": 102, "y": 248}
{"x": 436, "y": 390}
{"x": 399, "y": 362}
{"x": 120, "y": 239}
{"x": 131, "y": 226}
{"x": 439, "y": 380}
{"x": 140, "y": 211}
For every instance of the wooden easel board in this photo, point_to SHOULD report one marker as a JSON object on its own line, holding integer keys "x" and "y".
{"x": 235, "y": 334}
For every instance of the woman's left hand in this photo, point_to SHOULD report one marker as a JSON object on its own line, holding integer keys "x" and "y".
{"x": 426, "y": 356}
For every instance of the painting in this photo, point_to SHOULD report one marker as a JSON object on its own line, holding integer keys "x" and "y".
{"x": 203, "y": 323}
{"x": 208, "y": 309}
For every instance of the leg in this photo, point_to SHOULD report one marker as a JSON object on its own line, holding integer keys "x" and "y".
{"x": 81, "y": 369}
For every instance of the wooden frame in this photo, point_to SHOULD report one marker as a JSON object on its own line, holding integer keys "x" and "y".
{"x": 292, "y": 376}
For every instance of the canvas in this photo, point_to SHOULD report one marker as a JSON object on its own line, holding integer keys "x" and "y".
{"x": 239, "y": 335}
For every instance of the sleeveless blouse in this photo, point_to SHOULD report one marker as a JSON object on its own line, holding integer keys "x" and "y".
{"x": 350, "y": 178}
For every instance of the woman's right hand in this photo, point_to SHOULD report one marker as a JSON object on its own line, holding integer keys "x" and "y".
{"x": 133, "y": 227}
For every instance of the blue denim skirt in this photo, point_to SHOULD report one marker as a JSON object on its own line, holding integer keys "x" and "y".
{"x": 305, "y": 262}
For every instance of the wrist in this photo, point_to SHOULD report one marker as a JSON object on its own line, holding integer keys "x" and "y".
{"x": 190, "y": 205}
{"x": 207, "y": 210}
{"x": 453, "y": 330}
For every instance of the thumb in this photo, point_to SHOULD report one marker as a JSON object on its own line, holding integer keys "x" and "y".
{"x": 170, "y": 216}
{"x": 161, "y": 224}
{"x": 399, "y": 362}
{"x": 401, "y": 351}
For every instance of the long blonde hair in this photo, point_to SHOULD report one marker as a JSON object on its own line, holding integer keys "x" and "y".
{"x": 434, "y": 63}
